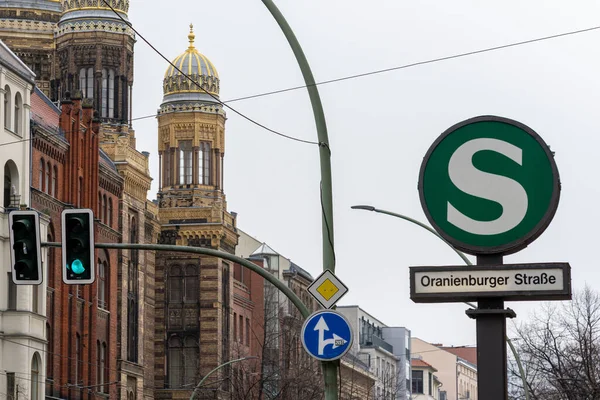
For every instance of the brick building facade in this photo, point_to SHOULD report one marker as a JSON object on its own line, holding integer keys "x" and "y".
{"x": 70, "y": 171}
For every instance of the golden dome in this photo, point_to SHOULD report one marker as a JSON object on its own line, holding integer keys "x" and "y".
{"x": 197, "y": 67}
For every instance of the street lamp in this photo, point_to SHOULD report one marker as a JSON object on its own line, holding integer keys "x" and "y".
{"x": 199, "y": 385}
{"x": 464, "y": 258}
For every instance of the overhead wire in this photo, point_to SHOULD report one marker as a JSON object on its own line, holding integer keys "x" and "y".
{"x": 404, "y": 66}
{"x": 253, "y": 121}
{"x": 379, "y": 71}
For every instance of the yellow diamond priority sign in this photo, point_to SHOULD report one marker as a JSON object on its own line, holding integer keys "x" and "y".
{"x": 327, "y": 289}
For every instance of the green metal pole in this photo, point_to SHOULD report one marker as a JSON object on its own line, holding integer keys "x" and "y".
{"x": 330, "y": 369}
{"x": 466, "y": 260}
{"x": 210, "y": 252}
{"x": 199, "y": 385}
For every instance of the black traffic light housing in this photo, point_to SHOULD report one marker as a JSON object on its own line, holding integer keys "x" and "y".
{"x": 78, "y": 246}
{"x": 25, "y": 250}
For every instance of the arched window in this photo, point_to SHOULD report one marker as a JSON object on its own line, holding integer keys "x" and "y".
{"x": 101, "y": 284}
{"x": 86, "y": 82}
{"x": 35, "y": 376}
{"x": 204, "y": 163}
{"x": 48, "y": 177}
{"x": 7, "y": 106}
{"x": 100, "y": 215}
{"x": 7, "y": 186}
{"x": 41, "y": 175}
{"x": 102, "y": 367}
{"x": 132, "y": 331}
{"x": 54, "y": 178}
{"x": 175, "y": 284}
{"x": 110, "y": 211}
{"x": 185, "y": 162}
{"x": 104, "y": 209}
{"x": 191, "y": 284}
{"x": 108, "y": 93}
{"x": 18, "y": 113}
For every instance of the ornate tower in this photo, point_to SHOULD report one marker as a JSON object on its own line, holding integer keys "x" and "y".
{"x": 27, "y": 28}
{"x": 192, "y": 318}
{"x": 94, "y": 49}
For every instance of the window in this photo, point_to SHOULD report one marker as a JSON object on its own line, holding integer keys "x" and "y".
{"x": 175, "y": 285}
{"x": 241, "y": 329}
{"x": 234, "y": 326}
{"x": 185, "y": 162}
{"x": 7, "y": 106}
{"x": 417, "y": 381}
{"x": 108, "y": 93}
{"x": 101, "y": 372}
{"x": 104, "y": 209}
{"x": 110, "y": 212}
{"x": 10, "y": 386}
{"x": 101, "y": 284}
{"x": 86, "y": 82}
{"x": 18, "y": 113}
{"x": 204, "y": 164}
{"x": 182, "y": 362}
{"x": 41, "y": 175}
{"x": 54, "y": 178}
{"x": 35, "y": 376}
{"x": 12, "y": 293}
{"x": 48, "y": 176}
{"x": 132, "y": 340}
{"x": 167, "y": 166}
{"x": 247, "y": 332}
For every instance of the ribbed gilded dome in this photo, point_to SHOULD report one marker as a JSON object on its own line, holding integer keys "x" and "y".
{"x": 197, "y": 67}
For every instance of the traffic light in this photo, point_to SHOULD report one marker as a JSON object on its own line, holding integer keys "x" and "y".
{"x": 25, "y": 247}
{"x": 78, "y": 246}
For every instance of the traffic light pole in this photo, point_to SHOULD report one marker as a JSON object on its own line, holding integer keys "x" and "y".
{"x": 209, "y": 252}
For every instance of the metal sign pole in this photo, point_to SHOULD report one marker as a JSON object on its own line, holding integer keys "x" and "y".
{"x": 492, "y": 375}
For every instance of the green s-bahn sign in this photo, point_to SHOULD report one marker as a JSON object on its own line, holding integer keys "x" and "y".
{"x": 489, "y": 185}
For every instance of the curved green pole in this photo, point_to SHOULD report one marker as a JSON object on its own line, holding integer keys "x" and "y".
{"x": 465, "y": 259}
{"x": 210, "y": 252}
{"x": 199, "y": 385}
{"x": 330, "y": 369}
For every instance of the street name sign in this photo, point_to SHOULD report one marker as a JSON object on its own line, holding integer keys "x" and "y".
{"x": 489, "y": 185}
{"x": 542, "y": 281}
{"x": 327, "y": 289}
{"x": 326, "y": 335}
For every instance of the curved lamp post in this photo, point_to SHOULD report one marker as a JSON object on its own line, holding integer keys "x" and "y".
{"x": 199, "y": 385}
{"x": 465, "y": 259}
{"x": 330, "y": 368}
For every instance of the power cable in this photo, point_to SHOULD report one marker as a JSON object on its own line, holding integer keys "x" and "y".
{"x": 344, "y": 78}
{"x": 405, "y": 66}
{"x": 200, "y": 87}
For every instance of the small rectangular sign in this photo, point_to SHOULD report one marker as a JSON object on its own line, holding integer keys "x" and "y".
{"x": 540, "y": 281}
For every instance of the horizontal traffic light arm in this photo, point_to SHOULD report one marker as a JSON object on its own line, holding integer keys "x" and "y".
{"x": 209, "y": 252}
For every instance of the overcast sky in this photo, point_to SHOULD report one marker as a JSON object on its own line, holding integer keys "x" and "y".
{"x": 381, "y": 126}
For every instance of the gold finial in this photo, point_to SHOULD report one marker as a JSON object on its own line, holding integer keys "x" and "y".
{"x": 191, "y": 36}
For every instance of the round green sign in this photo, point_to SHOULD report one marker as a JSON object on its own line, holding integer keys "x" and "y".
{"x": 489, "y": 185}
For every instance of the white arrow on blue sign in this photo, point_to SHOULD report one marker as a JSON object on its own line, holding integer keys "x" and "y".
{"x": 326, "y": 335}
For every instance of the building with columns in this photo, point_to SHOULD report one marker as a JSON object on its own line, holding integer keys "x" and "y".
{"x": 22, "y": 307}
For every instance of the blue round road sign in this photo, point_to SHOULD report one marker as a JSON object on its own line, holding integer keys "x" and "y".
{"x": 326, "y": 335}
